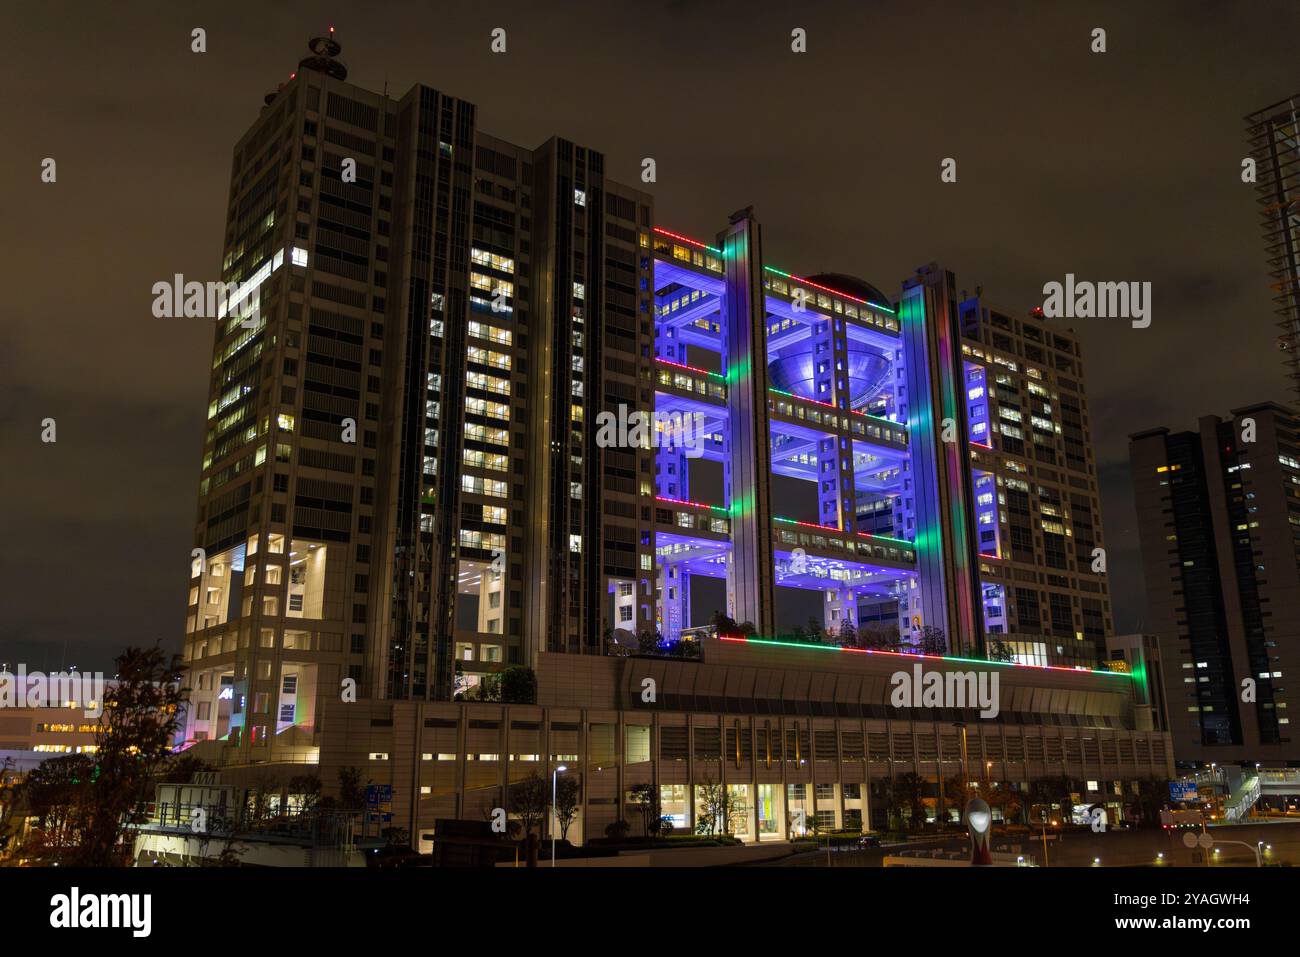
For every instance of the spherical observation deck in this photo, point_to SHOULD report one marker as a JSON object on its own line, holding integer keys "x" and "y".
{"x": 795, "y": 371}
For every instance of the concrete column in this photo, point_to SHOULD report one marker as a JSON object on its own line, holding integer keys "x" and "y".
{"x": 748, "y": 470}
{"x": 462, "y": 736}
{"x": 836, "y": 494}
{"x": 841, "y": 600}
{"x": 671, "y": 599}
{"x": 674, "y": 483}
{"x": 946, "y": 544}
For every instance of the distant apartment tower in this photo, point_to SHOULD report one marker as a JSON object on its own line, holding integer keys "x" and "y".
{"x": 1274, "y": 137}
{"x": 1219, "y": 523}
{"x": 397, "y": 487}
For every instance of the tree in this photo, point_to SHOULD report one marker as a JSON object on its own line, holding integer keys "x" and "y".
{"x": 529, "y": 800}
{"x": 957, "y": 793}
{"x": 1010, "y": 802}
{"x": 57, "y": 794}
{"x": 181, "y": 768}
{"x": 352, "y": 790}
{"x": 816, "y": 631}
{"x": 710, "y": 801}
{"x": 612, "y": 647}
{"x": 812, "y": 823}
{"x": 132, "y": 744}
{"x": 848, "y": 637}
{"x": 1055, "y": 792}
{"x": 568, "y": 791}
{"x": 879, "y": 636}
{"x": 10, "y": 797}
{"x": 229, "y": 856}
{"x": 1152, "y": 796}
{"x": 616, "y": 831}
{"x": 307, "y": 788}
{"x": 647, "y": 642}
{"x": 397, "y": 847}
{"x": 487, "y": 688}
{"x": 932, "y": 641}
{"x": 999, "y": 650}
{"x": 723, "y": 626}
{"x": 682, "y": 648}
{"x": 515, "y": 684}
{"x": 263, "y": 789}
{"x": 909, "y": 795}
{"x": 719, "y": 807}
{"x": 645, "y": 798}
{"x": 220, "y": 828}
{"x": 518, "y": 685}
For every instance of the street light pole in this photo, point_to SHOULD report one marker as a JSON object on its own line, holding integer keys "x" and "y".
{"x": 555, "y": 813}
{"x": 1259, "y": 860}
{"x": 965, "y": 772}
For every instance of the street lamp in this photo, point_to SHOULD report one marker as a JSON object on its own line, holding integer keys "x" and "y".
{"x": 1046, "y": 862}
{"x": 1259, "y": 858}
{"x": 555, "y": 778}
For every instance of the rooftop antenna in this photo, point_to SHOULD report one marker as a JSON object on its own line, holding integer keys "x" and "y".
{"x": 324, "y": 50}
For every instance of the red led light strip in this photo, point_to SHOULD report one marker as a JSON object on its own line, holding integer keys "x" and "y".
{"x": 669, "y": 362}
{"x": 685, "y": 239}
{"x": 681, "y": 501}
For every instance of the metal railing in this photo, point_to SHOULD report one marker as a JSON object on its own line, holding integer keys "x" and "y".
{"x": 316, "y": 827}
{"x": 1238, "y": 806}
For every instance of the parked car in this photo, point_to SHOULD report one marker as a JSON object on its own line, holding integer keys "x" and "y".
{"x": 868, "y": 840}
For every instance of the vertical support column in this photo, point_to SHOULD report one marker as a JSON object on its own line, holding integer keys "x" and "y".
{"x": 675, "y": 611}
{"x": 841, "y": 601}
{"x": 750, "y": 575}
{"x": 946, "y": 550}
{"x": 836, "y": 495}
{"x": 673, "y": 479}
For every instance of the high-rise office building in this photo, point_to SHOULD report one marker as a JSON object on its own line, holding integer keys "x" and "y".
{"x": 1274, "y": 137}
{"x": 492, "y": 413}
{"x": 397, "y": 485}
{"x": 1219, "y": 522}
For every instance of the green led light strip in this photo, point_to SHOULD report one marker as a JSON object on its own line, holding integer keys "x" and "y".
{"x": 904, "y": 654}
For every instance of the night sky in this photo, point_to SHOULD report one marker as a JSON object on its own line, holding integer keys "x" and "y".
{"x": 1116, "y": 166}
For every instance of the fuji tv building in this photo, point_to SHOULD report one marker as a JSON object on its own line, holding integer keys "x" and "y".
{"x": 910, "y": 471}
